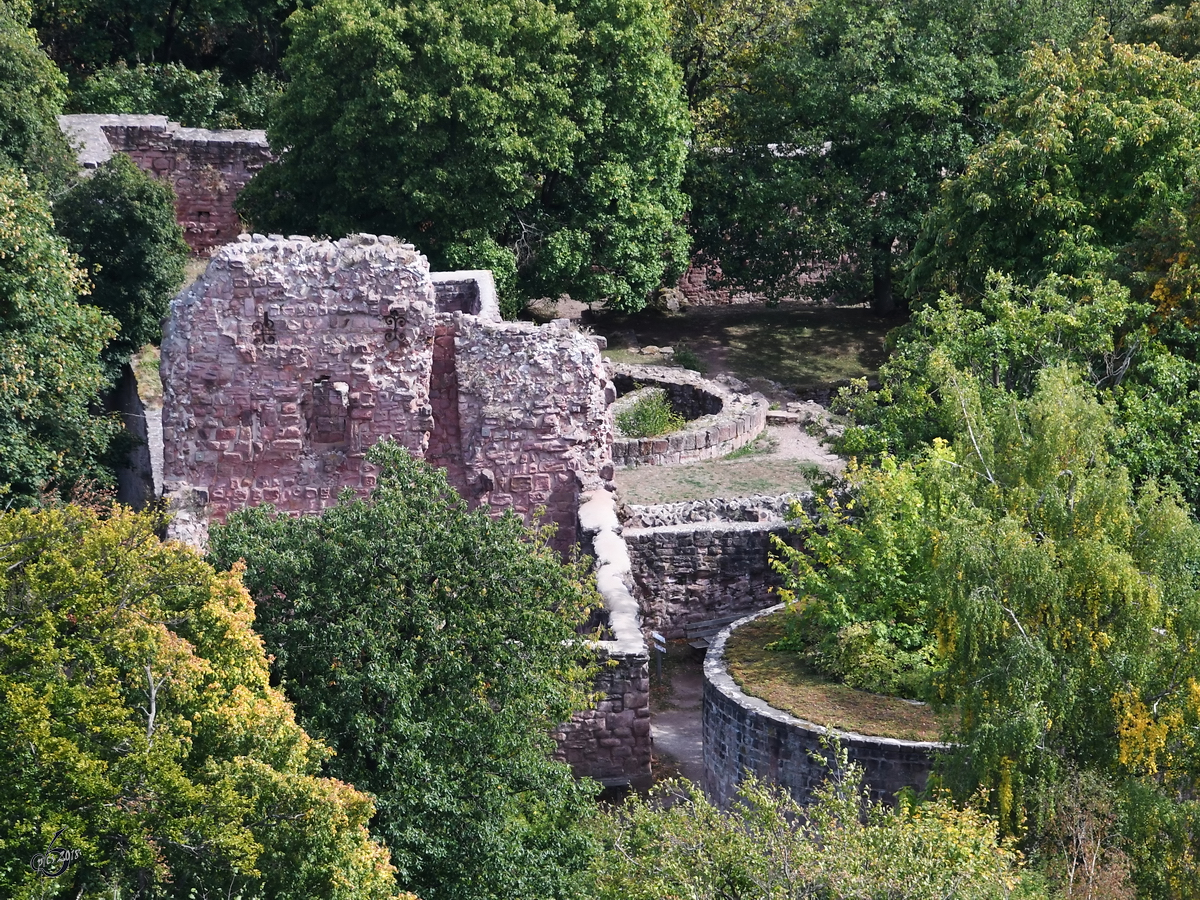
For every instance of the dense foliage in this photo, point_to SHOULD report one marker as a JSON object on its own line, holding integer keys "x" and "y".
{"x": 434, "y": 648}
{"x": 238, "y": 37}
{"x": 32, "y": 91}
{"x": 1058, "y": 606}
{"x": 136, "y": 714}
{"x": 543, "y": 142}
{"x": 121, "y": 224}
{"x": 196, "y": 99}
{"x": 1068, "y": 238}
{"x": 50, "y": 343}
{"x": 679, "y": 846}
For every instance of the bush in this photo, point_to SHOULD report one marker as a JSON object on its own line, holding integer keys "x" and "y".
{"x": 435, "y": 647}
{"x": 649, "y": 415}
{"x": 677, "y": 845}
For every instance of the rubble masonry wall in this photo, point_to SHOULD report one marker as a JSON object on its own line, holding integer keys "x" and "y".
{"x": 206, "y": 168}
{"x": 289, "y": 358}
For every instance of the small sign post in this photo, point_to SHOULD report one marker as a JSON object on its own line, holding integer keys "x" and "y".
{"x": 660, "y": 645}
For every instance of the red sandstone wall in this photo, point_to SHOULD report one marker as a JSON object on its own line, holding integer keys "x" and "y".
{"x": 207, "y": 169}
{"x": 283, "y": 365}
{"x": 533, "y": 413}
{"x": 290, "y": 358}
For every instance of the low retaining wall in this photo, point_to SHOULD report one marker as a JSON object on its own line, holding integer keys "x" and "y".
{"x": 611, "y": 742}
{"x": 721, "y": 419}
{"x": 744, "y": 733}
{"x": 705, "y": 559}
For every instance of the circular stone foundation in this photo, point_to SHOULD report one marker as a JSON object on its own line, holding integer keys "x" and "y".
{"x": 743, "y": 733}
{"x": 720, "y": 419}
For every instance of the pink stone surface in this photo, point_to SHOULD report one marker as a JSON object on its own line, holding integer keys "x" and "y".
{"x": 290, "y": 358}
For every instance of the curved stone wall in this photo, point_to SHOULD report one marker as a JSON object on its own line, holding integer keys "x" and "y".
{"x": 721, "y": 418}
{"x": 745, "y": 733}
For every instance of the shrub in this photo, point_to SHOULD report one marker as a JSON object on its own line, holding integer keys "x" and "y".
{"x": 436, "y": 649}
{"x": 678, "y": 845}
{"x": 649, "y": 415}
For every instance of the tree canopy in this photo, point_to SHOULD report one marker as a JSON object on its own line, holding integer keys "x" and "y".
{"x": 121, "y": 224}
{"x": 136, "y": 714}
{"x": 50, "y": 343}
{"x": 32, "y": 92}
{"x": 434, "y": 648}
{"x": 545, "y": 142}
{"x": 1058, "y": 606}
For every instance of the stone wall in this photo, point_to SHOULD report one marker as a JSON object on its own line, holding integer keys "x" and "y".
{"x": 721, "y": 418}
{"x": 743, "y": 733}
{"x": 696, "y": 571}
{"x": 206, "y": 168}
{"x": 289, "y": 358}
{"x": 758, "y": 508}
{"x": 611, "y": 742}
{"x": 534, "y": 424}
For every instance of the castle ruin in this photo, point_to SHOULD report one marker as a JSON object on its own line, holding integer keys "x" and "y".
{"x": 289, "y": 358}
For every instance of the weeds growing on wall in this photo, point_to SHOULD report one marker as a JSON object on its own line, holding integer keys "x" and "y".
{"x": 648, "y": 416}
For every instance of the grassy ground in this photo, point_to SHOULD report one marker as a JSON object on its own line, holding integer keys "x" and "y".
{"x": 776, "y": 676}
{"x": 801, "y": 346}
{"x": 742, "y": 477}
{"x": 145, "y": 369}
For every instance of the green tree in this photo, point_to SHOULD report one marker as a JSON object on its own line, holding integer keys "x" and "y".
{"x": 136, "y": 714}
{"x": 121, "y": 224}
{"x": 541, "y": 140}
{"x": 237, "y": 37}
{"x": 434, "y": 648}
{"x": 196, "y": 99}
{"x": 1095, "y": 142}
{"x": 1085, "y": 205}
{"x": 836, "y": 143}
{"x": 32, "y": 91}
{"x": 1065, "y": 603}
{"x": 50, "y": 345}
{"x": 679, "y": 846}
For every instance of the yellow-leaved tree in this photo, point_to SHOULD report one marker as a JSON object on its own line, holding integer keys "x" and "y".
{"x": 145, "y": 752}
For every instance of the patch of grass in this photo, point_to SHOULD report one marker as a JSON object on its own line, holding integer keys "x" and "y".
{"x": 145, "y": 370}
{"x": 778, "y": 678}
{"x": 193, "y": 269}
{"x": 760, "y": 446}
{"x": 690, "y": 359}
{"x": 648, "y": 416}
{"x": 715, "y": 478}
